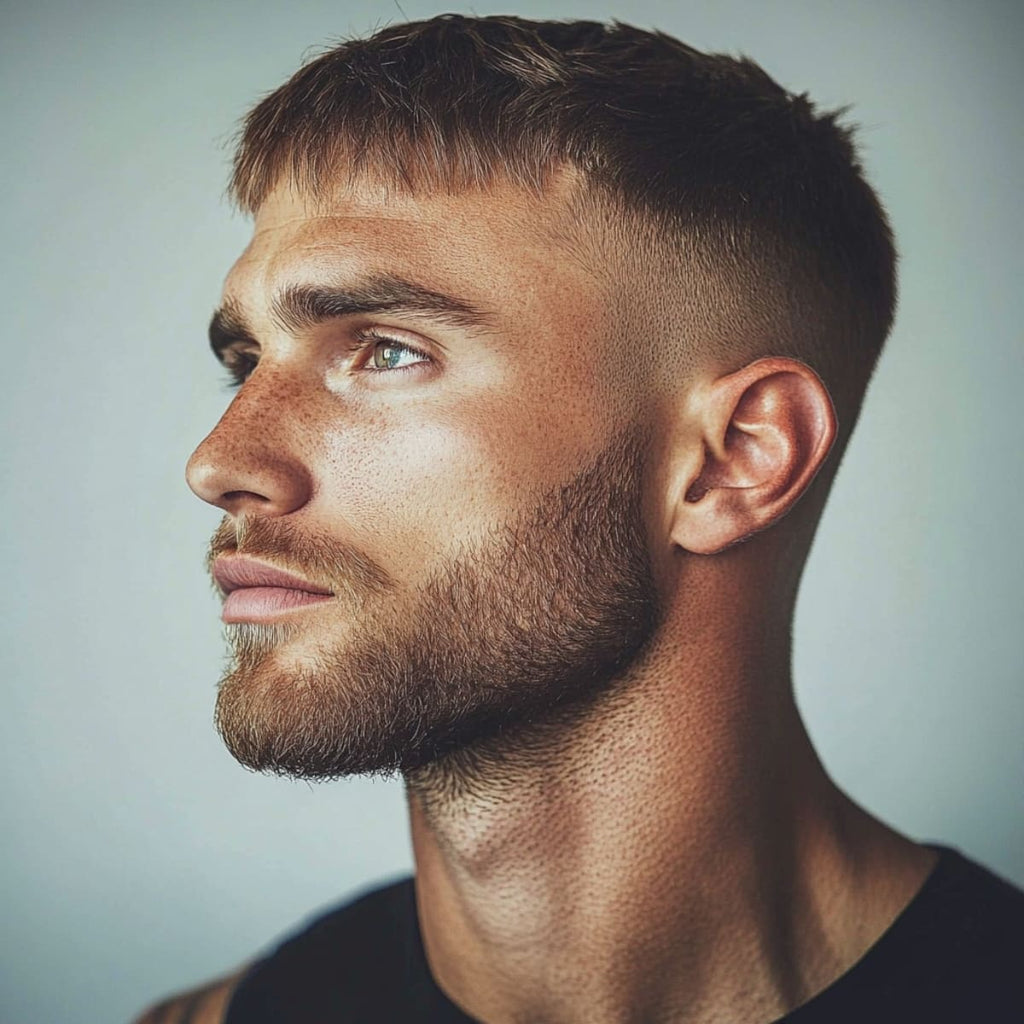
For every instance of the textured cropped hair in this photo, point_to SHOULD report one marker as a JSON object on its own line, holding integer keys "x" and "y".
{"x": 704, "y": 151}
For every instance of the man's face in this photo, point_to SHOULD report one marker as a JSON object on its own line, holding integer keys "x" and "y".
{"x": 441, "y": 436}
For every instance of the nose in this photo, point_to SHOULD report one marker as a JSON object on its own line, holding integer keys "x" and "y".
{"x": 247, "y": 464}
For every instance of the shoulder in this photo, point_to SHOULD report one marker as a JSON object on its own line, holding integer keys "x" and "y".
{"x": 959, "y": 947}
{"x": 358, "y": 934}
{"x": 977, "y": 916}
{"x": 204, "y": 1005}
{"x": 954, "y": 954}
{"x": 961, "y": 938}
{"x": 363, "y": 957}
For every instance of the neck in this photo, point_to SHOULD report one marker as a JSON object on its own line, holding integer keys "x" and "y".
{"x": 624, "y": 865}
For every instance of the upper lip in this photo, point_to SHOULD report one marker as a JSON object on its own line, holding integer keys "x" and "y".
{"x": 234, "y": 572}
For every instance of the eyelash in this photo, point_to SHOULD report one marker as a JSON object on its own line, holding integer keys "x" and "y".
{"x": 240, "y": 363}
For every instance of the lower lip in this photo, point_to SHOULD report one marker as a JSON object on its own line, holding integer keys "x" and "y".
{"x": 256, "y": 604}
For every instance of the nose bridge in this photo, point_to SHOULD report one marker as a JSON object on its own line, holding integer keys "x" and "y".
{"x": 255, "y": 458}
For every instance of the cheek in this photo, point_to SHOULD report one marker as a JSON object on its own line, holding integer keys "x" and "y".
{"x": 410, "y": 493}
{"x": 411, "y": 484}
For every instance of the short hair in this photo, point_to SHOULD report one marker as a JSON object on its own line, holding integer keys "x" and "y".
{"x": 705, "y": 150}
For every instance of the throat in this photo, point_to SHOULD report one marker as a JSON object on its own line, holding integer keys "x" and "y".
{"x": 604, "y": 871}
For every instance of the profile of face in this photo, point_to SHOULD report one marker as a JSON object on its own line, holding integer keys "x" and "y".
{"x": 435, "y": 430}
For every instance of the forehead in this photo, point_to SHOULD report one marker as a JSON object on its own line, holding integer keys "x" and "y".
{"x": 501, "y": 244}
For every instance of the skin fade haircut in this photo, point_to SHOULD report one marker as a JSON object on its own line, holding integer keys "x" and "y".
{"x": 697, "y": 161}
{"x": 697, "y": 171}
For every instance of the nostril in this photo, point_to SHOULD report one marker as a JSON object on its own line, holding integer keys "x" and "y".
{"x": 243, "y": 496}
{"x": 240, "y": 502}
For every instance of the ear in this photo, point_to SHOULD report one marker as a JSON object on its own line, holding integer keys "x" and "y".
{"x": 766, "y": 430}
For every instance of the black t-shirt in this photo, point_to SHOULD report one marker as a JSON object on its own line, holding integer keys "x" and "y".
{"x": 955, "y": 954}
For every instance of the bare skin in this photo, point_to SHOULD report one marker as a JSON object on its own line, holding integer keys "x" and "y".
{"x": 689, "y": 861}
{"x": 205, "y": 1005}
{"x": 679, "y": 854}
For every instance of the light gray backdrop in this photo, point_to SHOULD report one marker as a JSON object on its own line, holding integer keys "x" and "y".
{"x": 136, "y": 855}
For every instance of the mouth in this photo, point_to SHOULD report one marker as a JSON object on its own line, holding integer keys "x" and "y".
{"x": 256, "y": 592}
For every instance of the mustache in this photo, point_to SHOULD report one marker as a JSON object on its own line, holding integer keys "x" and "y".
{"x": 323, "y": 560}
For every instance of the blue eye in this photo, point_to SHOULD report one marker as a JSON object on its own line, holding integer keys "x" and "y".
{"x": 389, "y": 354}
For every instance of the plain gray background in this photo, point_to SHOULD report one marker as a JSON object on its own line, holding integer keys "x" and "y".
{"x": 137, "y": 857}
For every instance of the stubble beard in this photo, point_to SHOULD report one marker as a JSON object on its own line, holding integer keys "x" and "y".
{"x": 529, "y": 629}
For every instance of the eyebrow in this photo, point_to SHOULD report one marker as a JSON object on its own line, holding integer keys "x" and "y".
{"x": 301, "y": 307}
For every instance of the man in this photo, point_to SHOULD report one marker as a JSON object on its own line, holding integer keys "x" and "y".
{"x": 548, "y": 342}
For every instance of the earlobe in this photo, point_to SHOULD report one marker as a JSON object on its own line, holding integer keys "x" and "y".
{"x": 766, "y": 431}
